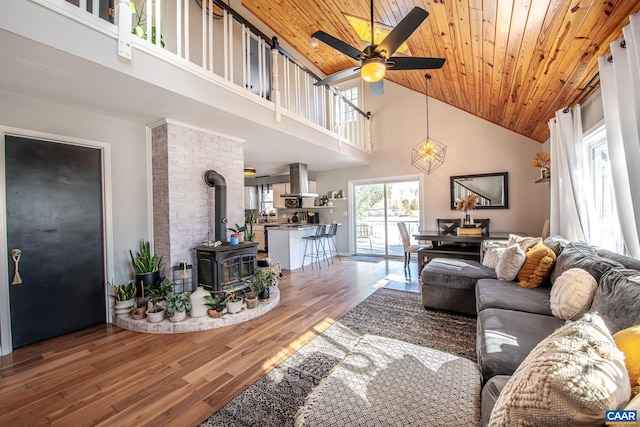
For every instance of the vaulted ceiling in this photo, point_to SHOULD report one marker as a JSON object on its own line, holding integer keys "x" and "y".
{"x": 511, "y": 62}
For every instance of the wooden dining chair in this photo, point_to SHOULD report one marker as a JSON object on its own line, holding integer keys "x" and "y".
{"x": 406, "y": 243}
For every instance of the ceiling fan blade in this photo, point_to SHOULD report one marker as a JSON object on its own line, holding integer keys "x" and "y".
{"x": 338, "y": 76}
{"x": 414, "y": 63}
{"x": 377, "y": 88}
{"x": 338, "y": 44}
{"x": 401, "y": 32}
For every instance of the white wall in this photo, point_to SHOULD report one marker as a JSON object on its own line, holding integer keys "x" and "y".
{"x": 473, "y": 146}
{"x": 128, "y": 154}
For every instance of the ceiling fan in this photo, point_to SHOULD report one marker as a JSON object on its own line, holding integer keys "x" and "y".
{"x": 376, "y": 59}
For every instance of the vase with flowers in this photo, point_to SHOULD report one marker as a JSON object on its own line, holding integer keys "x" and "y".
{"x": 542, "y": 160}
{"x": 465, "y": 205}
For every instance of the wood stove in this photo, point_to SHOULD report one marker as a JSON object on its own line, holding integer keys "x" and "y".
{"x": 227, "y": 266}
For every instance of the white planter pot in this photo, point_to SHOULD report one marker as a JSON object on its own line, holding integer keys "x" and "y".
{"x": 155, "y": 317}
{"x": 122, "y": 309}
{"x": 234, "y": 307}
{"x": 178, "y": 316}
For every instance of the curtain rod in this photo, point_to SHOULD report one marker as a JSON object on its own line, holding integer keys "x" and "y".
{"x": 584, "y": 92}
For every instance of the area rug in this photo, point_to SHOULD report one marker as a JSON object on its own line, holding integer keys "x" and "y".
{"x": 275, "y": 398}
{"x": 364, "y": 258}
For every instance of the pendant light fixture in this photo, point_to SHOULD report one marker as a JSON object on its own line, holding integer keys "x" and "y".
{"x": 249, "y": 171}
{"x": 429, "y": 154}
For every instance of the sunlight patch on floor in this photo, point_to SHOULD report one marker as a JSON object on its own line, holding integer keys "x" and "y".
{"x": 297, "y": 343}
{"x": 380, "y": 283}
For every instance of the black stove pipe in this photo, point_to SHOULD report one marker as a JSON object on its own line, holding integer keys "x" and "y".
{"x": 217, "y": 181}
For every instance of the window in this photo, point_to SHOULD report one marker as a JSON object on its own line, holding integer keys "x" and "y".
{"x": 266, "y": 200}
{"x": 605, "y": 229}
{"x": 348, "y": 112}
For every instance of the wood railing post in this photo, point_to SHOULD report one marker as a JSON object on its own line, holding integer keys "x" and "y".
{"x": 123, "y": 17}
{"x": 275, "y": 84}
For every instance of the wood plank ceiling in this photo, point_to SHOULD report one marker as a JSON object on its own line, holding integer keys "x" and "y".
{"x": 511, "y": 62}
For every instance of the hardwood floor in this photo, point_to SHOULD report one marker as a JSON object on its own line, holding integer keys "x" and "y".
{"x": 108, "y": 376}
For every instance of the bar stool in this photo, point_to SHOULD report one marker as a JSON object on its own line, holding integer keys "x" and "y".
{"x": 330, "y": 235}
{"x": 316, "y": 251}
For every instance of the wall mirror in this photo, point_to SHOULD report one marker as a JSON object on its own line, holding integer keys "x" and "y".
{"x": 492, "y": 189}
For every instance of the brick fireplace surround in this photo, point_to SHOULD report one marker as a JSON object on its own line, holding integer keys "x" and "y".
{"x": 183, "y": 206}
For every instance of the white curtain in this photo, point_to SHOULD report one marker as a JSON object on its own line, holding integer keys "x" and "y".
{"x": 620, "y": 81}
{"x": 571, "y": 188}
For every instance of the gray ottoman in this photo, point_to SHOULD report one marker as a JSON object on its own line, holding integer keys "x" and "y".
{"x": 449, "y": 284}
{"x": 386, "y": 382}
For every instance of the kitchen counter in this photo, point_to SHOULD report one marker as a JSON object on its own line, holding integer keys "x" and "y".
{"x": 286, "y": 244}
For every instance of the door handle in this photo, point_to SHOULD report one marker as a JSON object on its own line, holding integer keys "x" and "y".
{"x": 15, "y": 254}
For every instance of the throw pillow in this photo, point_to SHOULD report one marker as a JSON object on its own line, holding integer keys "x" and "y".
{"x": 492, "y": 256}
{"x": 537, "y": 266}
{"x": 510, "y": 263}
{"x": 628, "y": 341}
{"x": 556, "y": 243}
{"x": 617, "y": 298}
{"x": 581, "y": 255}
{"x": 570, "y": 378}
{"x": 572, "y": 293}
{"x": 525, "y": 243}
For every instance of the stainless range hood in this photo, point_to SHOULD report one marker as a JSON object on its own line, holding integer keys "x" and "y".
{"x": 299, "y": 181}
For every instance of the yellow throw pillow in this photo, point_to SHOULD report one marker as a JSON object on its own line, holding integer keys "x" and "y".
{"x": 537, "y": 266}
{"x": 628, "y": 341}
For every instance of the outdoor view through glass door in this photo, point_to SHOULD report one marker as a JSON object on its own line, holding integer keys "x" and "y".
{"x": 379, "y": 206}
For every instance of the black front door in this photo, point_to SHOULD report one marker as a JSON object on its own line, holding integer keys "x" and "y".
{"x": 55, "y": 218}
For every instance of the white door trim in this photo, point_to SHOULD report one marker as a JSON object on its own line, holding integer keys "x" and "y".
{"x": 5, "y": 319}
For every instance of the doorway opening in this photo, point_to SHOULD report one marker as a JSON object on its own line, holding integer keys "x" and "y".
{"x": 378, "y": 207}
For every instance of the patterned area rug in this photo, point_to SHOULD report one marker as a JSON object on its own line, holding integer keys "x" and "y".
{"x": 275, "y": 398}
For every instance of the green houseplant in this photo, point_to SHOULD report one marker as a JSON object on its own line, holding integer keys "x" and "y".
{"x": 157, "y": 301}
{"x": 177, "y": 306}
{"x": 146, "y": 267}
{"x": 216, "y": 305}
{"x": 233, "y": 301}
{"x": 123, "y": 295}
{"x": 265, "y": 279}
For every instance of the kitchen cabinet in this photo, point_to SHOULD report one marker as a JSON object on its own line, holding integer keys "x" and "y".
{"x": 250, "y": 197}
{"x": 279, "y": 189}
{"x": 258, "y": 236}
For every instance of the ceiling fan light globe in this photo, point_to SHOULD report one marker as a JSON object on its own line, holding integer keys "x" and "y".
{"x": 373, "y": 70}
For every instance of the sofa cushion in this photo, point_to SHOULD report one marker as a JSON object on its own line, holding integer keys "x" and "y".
{"x": 510, "y": 263}
{"x": 537, "y": 266}
{"x": 490, "y": 393}
{"x": 570, "y": 378}
{"x": 492, "y": 293}
{"x": 627, "y": 262}
{"x": 454, "y": 273}
{"x": 581, "y": 255}
{"x": 525, "y": 243}
{"x": 628, "y": 341}
{"x": 505, "y": 338}
{"x": 492, "y": 256}
{"x": 556, "y": 243}
{"x": 617, "y": 299}
{"x": 572, "y": 293}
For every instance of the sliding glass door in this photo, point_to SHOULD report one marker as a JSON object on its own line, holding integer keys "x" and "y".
{"x": 379, "y": 206}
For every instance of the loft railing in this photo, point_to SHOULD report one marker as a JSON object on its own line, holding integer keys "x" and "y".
{"x": 217, "y": 40}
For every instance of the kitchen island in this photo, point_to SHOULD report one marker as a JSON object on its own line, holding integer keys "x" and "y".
{"x": 286, "y": 244}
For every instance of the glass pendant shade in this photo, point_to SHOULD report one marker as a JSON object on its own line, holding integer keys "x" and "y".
{"x": 373, "y": 70}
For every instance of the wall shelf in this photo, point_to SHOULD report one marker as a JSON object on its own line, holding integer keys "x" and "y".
{"x": 543, "y": 180}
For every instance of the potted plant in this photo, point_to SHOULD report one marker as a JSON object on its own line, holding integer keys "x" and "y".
{"x": 265, "y": 280}
{"x": 158, "y": 301}
{"x": 238, "y": 232}
{"x": 124, "y": 298}
{"x": 146, "y": 266}
{"x": 177, "y": 306}
{"x": 138, "y": 313}
{"x": 216, "y": 305}
{"x": 234, "y": 302}
{"x": 251, "y": 299}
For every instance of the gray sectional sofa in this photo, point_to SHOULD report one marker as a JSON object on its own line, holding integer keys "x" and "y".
{"x": 512, "y": 320}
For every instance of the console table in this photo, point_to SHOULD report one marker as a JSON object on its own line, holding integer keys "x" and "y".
{"x": 467, "y": 247}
